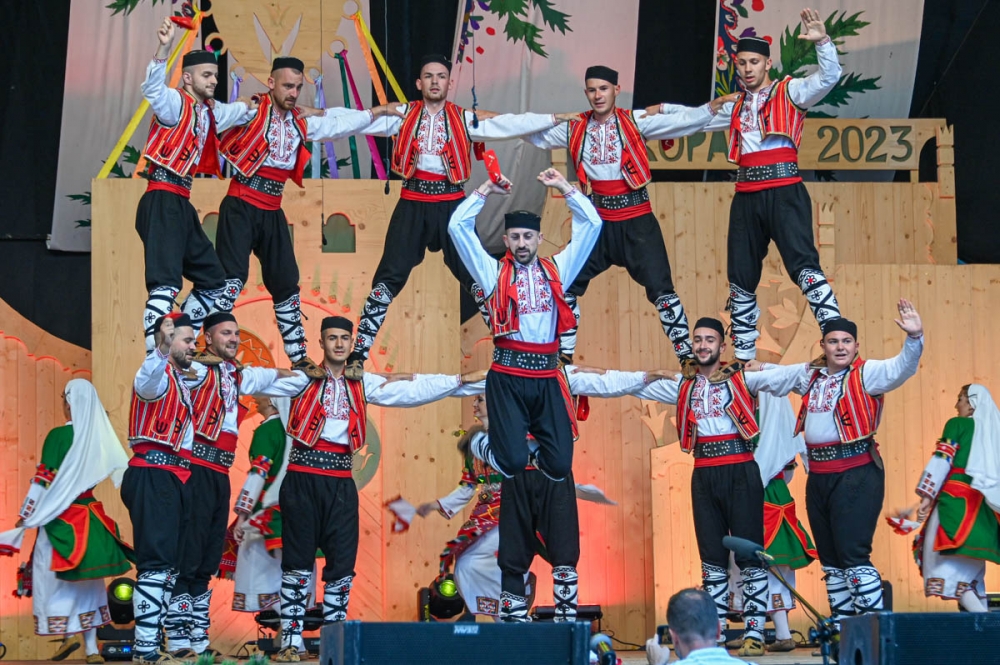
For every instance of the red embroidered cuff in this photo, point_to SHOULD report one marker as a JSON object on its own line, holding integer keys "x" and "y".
{"x": 44, "y": 475}
{"x": 261, "y": 465}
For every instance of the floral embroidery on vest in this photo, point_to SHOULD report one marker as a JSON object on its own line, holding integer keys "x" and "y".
{"x": 534, "y": 295}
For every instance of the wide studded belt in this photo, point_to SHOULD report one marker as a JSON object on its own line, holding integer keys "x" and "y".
{"x": 323, "y": 460}
{"x": 620, "y": 201}
{"x": 160, "y": 174}
{"x": 261, "y": 184}
{"x": 431, "y": 187}
{"x": 767, "y": 172}
{"x": 213, "y": 455}
{"x": 724, "y": 448}
{"x": 839, "y": 451}
{"x": 538, "y": 362}
{"x": 161, "y": 458}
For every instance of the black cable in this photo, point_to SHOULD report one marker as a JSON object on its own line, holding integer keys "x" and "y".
{"x": 947, "y": 68}
{"x": 635, "y": 647}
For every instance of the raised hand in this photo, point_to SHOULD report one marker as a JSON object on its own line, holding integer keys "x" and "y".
{"x": 552, "y": 178}
{"x": 909, "y": 320}
{"x": 490, "y": 187}
{"x": 426, "y": 509}
{"x": 165, "y": 33}
{"x": 813, "y": 28}
{"x": 166, "y": 334}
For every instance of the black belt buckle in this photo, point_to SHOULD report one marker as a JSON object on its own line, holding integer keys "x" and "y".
{"x": 161, "y": 458}
{"x": 324, "y": 460}
{"x": 840, "y": 451}
{"x": 620, "y": 201}
{"x": 431, "y": 187}
{"x": 261, "y": 184}
{"x": 159, "y": 174}
{"x": 767, "y": 172}
{"x": 538, "y": 362}
{"x": 724, "y": 448}
{"x": 213, "y": 455}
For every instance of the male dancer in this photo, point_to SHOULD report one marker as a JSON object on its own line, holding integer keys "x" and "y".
{"x": 716, "y": 421}
{"x": 433, "y": 155}
{"x": 765, "y": 125}
{"x": 160, "y": 434}
{"x": 318, "y": 497}
{"x": 524, "y": 297}
{"x": 535, "y": 510}
{"x": 842, "y": 399}
{"x": 266, "y": 151}
{"x": 608, "y": 148}
{"x": 217, "y": 413}
{"x": 182, "y": 142}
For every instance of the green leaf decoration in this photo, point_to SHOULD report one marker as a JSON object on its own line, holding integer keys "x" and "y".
{"x": 343, "y": 162}
{"x": 848, "y": 85}
{"x": 130, "y": 155}
{"x": 84, "y": 198}
{"x": 555, "y": 19}
{"x": 126, "y": 6}
{"x": 82, "y": 223}
{"x": 742, "y": 11}
{"x": 518, "y": 30}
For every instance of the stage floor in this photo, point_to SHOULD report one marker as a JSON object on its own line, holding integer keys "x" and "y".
{"x": 797, "y": 657}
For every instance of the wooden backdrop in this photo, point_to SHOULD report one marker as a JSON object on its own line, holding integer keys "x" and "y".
{"x": 879, "y": 241}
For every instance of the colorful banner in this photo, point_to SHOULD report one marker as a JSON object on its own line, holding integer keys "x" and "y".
{"x": 877, "y": 42}
{"x": 110, "y": 46}
{"x": 532, "y": 57}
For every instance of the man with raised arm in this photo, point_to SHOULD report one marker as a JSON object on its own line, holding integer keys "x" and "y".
{"x": 607, "y": 146}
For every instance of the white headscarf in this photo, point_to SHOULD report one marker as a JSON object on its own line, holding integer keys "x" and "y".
{"x": 984, "y": 458}
{"x": 778, "y": 445}
{"x": 96, "y": 454}
{"x": 284, "y": 405}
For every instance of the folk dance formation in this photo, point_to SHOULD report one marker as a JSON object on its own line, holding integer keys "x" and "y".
{"x": 300, "y": 499}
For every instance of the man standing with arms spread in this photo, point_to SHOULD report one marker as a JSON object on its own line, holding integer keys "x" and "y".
{"x": 318, "y": 497}
{"x": 842, "y": 401}
{"x": 160, "y": 434}
{"x": 182, "y": 142}
{"x": 433, "y": 155}
{"x": 217, "y": 413}
{"x": 765, "y": 125}
{"x": 716, "y": 421}
{"x": 607, "y": 146}
{"x": 524, "y": 297}
{"x": 266, "y": 152}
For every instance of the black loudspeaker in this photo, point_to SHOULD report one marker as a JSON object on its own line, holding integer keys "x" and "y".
{"x": 422, "y": 643}
{"x": 887, "y": 638}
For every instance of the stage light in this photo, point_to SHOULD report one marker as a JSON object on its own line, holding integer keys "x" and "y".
{"x": 120, "y": 600}
{"x": 445, "y": 601}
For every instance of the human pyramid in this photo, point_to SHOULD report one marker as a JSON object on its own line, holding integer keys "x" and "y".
{"x": 300, "y": 496}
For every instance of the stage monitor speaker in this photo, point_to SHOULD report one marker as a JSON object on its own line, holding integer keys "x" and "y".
{"x": 432, "y": 643}
{"x": 888, "y": 638}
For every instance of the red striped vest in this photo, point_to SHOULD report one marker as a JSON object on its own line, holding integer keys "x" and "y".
{"x": 635, "y": 162}
{"x": 210, "y": 409}
{"x": 778, "y": 116}
{"x": 457, "y": 153}
{"x": 741, "y": 408}
{"x": 502, "y": 303}
{"x": 247, "y": 147}
{"x": 857, "y": 413}
{"x": 307, "y": 416}
{"x": 161, "y": 420}
{"x": 175, "y": 148}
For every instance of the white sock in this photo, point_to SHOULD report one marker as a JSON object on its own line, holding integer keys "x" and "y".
{"x": 971, "y": 602}
{"x": 780, "y": 620}
{"x": 90, "y": 642}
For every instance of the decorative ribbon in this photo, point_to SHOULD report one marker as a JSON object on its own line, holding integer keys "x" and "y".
{"x": 331, "y": 153}
{"x": 369, "y": 47}
{"x": 342, "y": 60}
{"x": 133, "y": 124}
{"x": 376, "y": 157}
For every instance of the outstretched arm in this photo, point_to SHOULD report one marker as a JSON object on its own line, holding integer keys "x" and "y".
{"x": 550, "y": 139}
{"x": 806, "y": 92}
{"x": 672, "y": 121}
{"x": 509, "y": 125}
{"x": 610, "y": 383}
{"x": 422, "y": 389}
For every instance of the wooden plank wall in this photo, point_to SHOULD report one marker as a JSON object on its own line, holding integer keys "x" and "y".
{"x": 618, "y": 450}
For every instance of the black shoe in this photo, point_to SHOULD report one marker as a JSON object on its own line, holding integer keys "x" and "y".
{"x": 309, "y": 368}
